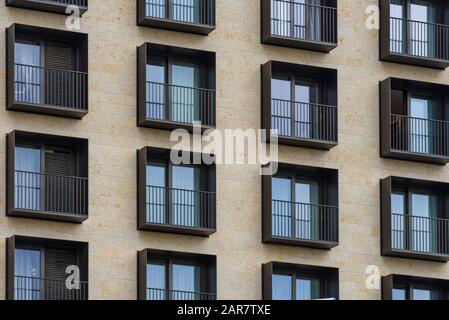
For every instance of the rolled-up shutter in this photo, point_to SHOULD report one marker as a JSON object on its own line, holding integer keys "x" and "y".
{"x": 55, "y": 265}
{"x": 60, "y": 83}
{"x": 59, "y": 181}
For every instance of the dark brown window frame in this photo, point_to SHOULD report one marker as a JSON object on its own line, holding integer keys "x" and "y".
{"x": 330, "y": 193}
{"x": 384, "y": 39}
{"x": 171, "y": 24}
{"x": 16, "y": 241}
{"x": 207, "y": 263}
{"x": 386, "y": 87}
{"x": 387, "y": 186}
{"x": 314, "y": 45}
{"x": 328, "y": 99}
{"x": 392, "y": 281}
{"x": 78, "y": 144}
{"x": 80, "y": 43}
{"x": 46, "y": 6}
{"x": 207, "y": 62}
{"x": 208, "y": 181}
{"x": 329, "y": 277}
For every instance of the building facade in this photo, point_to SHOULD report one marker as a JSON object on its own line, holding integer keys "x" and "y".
{"x": 362, "y": 122}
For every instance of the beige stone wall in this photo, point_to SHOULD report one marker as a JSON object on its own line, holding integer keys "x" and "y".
{"x": 113, "y": 137}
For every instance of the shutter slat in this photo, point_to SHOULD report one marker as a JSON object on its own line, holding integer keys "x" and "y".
{"x": 60, "y": 186}
{"x": 56, "y": 262}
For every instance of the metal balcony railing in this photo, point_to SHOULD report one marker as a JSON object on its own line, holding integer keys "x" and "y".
{"x": 79, "y": 3}
{"x": 421, "y": 136}
{"x": 50, "y": 193}
{"x": 50, "y": 87}
{"x": 420, "y": 234}
{"x": 304, "y": 221}
{"x": 187, "y": 11}
{"x": 420, "y": 39}
{"x": 303, "y": 21}
{"x": 185, "y": 208}
{"x": 180, "y": 104}
{"x": 163, "y": 294}
{"x": 32, "y": 288}
{"x": 301, "y": 120}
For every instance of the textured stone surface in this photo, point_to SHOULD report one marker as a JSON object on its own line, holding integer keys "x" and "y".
{"x": 114, "y": 138}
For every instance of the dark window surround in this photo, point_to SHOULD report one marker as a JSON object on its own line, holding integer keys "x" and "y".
{"x": 80, "y": 146}
{"x": 79, "y": 40}
{"x": 384, "y": 39}
{"x": 386, "y": 111}
{"x": 16, "y": 241}
{"x": 208, "y": 184}
{"x": 207, "y": 66}
{"x": 387, "y": 186}
{"x": 48, "y": 6}
{"x": 207, "y": 263}
{"x": 182, "y": 26}
{"x": 329, "y": 178}
{"x": 393, "y": 281}
{"x": 269, "y": 38}
{"x": 329, "y": 278}
{"x": 328, "y": 78}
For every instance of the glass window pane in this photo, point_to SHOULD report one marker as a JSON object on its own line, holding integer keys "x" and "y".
{"x": 307, "y": 289}
{"x": 185, "y": 93}
{"x": 397, "y": 25}
{"x": 281, "y": 106}
{"x": 156, "y": 281}
{"x": 186, "y": 196}
{"x": 307, "y": 209}
{"x": 421, "y": 29}
{"x": 186, "y": 10}
{"x": 421, "y": 294}
{"x": 27, "y": 178}
{"x": 281, "y": 207}
{"x": 27, "y": 72}
{"x": 156, "y": 8}
{"x": 186, "y": 282}
{"x": 281, "y": 18}
{"x": 27, "y": 273}
{"x": 421, "y": 129}
{"x": 306, "y": 98}
{"x": 282, "y": 287}
{"x": 156, "y": 91}
{"x": 398, "y": 220}
{"x": 424, "y": 208}
{"x": 399, "y": 294}
{"x": 156, "y": 205}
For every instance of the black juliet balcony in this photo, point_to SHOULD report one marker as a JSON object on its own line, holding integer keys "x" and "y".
{"x": 300, "y": 102}
{"x": 309, "y": 25}
{"x": 415, "y": 32}
{"x": 175, "y": 198}
{"x": 415, "y": 219}
{"x": 55, "y": 6}
{"x": 36, "y": 269}
{"x": 194, "y": 16}
{"x": 47, "y": 177}
{"x": 414, "y": 123}
{"x": 176, "y": 87}
{"x": 300, "y": 207}
{"x": 47, "y": 71}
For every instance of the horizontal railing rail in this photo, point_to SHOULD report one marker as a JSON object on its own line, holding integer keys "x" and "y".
{"x": 49, "y": 86}
{"x": 179, "y": 207}
{"x": 163, "y": 294}
{"x": 420, "y": 234}
{"x": 417, "y": 135}
{"x": 304, "y": 221}
{"x": 50, "y": 193}
{"x": 421, "y": 39}
{"x": 308, "y": 121}
{"x": 187, "y": 11}
{"x": 33, "y": 288}
{"x": 303, "y": 21}
{"x": 180, "y": 104}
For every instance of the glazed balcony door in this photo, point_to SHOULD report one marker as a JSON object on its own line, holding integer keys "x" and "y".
{"x": 184, "y": 93}
{"x": 156, "y": 91}
{"x": 27, "y": 178}
{"x": 27, "y": 274}
{"x": 306, "y": 95}
{"x": 306, "y": 209}
{"x": 186, "y": 10}
{"x": 281, "y": 109}
{"x": 186, "y": 282}
{"x": 156, "y": 193}
{"x": 27, "y": 72}
{"x": 422, "y": 30}
{"x": 421, "y": 126}
{"x": 186, "y": 197}
{"x": 307, "y": 288}
{"x": 282, "y": 207}
{"x": 424, "y": 213}
{"x": 156, "y": 281}
{"x": 282, "y": 287}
